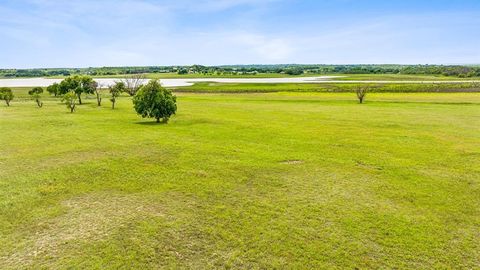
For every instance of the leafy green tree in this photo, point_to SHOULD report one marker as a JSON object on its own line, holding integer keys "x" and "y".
{"x": 155, "y": 101}
{"x": 6, "y": 94}
{"x": 53, "y": 89}
{"x": 115, "y": 91}
{"x": 79, "y": 85}
{"x": 70, "y": 99}
{"x": 35, "y": 93}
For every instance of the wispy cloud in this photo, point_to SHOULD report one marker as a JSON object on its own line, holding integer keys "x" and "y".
{"x": 42, "y": 33}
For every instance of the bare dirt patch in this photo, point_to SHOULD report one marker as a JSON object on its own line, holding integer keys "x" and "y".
{"x": 292, "y": 162}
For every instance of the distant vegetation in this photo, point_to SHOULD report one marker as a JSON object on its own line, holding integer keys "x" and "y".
{"x": 252, "y": 70}
{"x": 209, "y": 87}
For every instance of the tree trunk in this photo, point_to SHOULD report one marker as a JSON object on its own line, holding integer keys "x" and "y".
{"x": 99, "y": 100}
{"x": 8, "y": 102}
{"x": 158, "y": 120}
{"x": 113, "y": 104}
{"x": 79, "y": 99}
{"x": 72, "y": 108}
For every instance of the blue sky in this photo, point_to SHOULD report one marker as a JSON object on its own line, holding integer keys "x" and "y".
{"x": 82, "y": 33}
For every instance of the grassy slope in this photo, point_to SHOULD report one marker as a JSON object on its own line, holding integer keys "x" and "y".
{"x": 247, "y": 181}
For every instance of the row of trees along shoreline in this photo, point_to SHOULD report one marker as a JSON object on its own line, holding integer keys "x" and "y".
{"x": 150, "y": 100}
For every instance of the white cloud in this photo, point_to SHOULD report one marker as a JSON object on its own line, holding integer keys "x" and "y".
{"x": 266, "y": 48}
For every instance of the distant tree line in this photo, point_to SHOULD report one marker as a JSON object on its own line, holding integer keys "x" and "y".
{"x": 453, "y": 70}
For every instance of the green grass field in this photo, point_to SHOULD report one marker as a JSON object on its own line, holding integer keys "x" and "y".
{"x": 401, "y": 77}
{"x": 252, "y": 181}
{"x": 213, "y": 87}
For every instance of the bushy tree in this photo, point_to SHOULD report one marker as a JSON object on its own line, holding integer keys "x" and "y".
{"x": 155, "y": 101}
{"x": 53, "y": 89}
{"x": 6, "y": 94}
{"x": 115, "y": 91}
{"x": 70, "y": 99}
{"x": 79, "y": 85}
{"x": 35, "y": 93}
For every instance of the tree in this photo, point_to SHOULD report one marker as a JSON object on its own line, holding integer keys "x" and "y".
{"x": 133, "y": 83}
{"x": 362, "y": 91}
{"x": 96, "y": 88}
{"x": 155, "y": 101}
{"x": 6, "y": 94}
{"x": 115, "y": 91}
{"x": 77, "y": 84}
{"x": 53, "y": 89}
{"x": 35, "y": 93}
{"x": 70, "y": 99}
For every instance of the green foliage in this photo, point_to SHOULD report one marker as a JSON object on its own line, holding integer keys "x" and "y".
{"x": 294, "y": 71}
{"x": 115, "y": 91}
{"x": 233, "y": 70}
{"x": 54, "y": 89}
{"x": 35, "y": 93}
{"x": 79, "y": 85}
{"x": 182, "y": 71}
{"x": 6, "y": 94}
{"x": 70, "y": 99}
{"x": 155, "y": 101}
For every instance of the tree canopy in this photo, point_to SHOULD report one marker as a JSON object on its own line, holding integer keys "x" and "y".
{"x": 6, "y": 94}
{"x": 79, "y": 85}
{"x": 54, "y": 89}
{"x": 154, "y": 101}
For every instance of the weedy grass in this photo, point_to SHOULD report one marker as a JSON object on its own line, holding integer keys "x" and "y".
{"x": 213, "y": 87}
{"x": 276, "y": 180}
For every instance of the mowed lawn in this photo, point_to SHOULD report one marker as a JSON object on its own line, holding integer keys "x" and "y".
{"x": 250, "y": 181}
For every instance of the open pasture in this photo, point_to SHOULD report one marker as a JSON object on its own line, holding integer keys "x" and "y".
{"x": 272, "y": 180}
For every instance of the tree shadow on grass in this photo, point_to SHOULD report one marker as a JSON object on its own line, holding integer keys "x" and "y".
{"x": 151, "y": 123}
